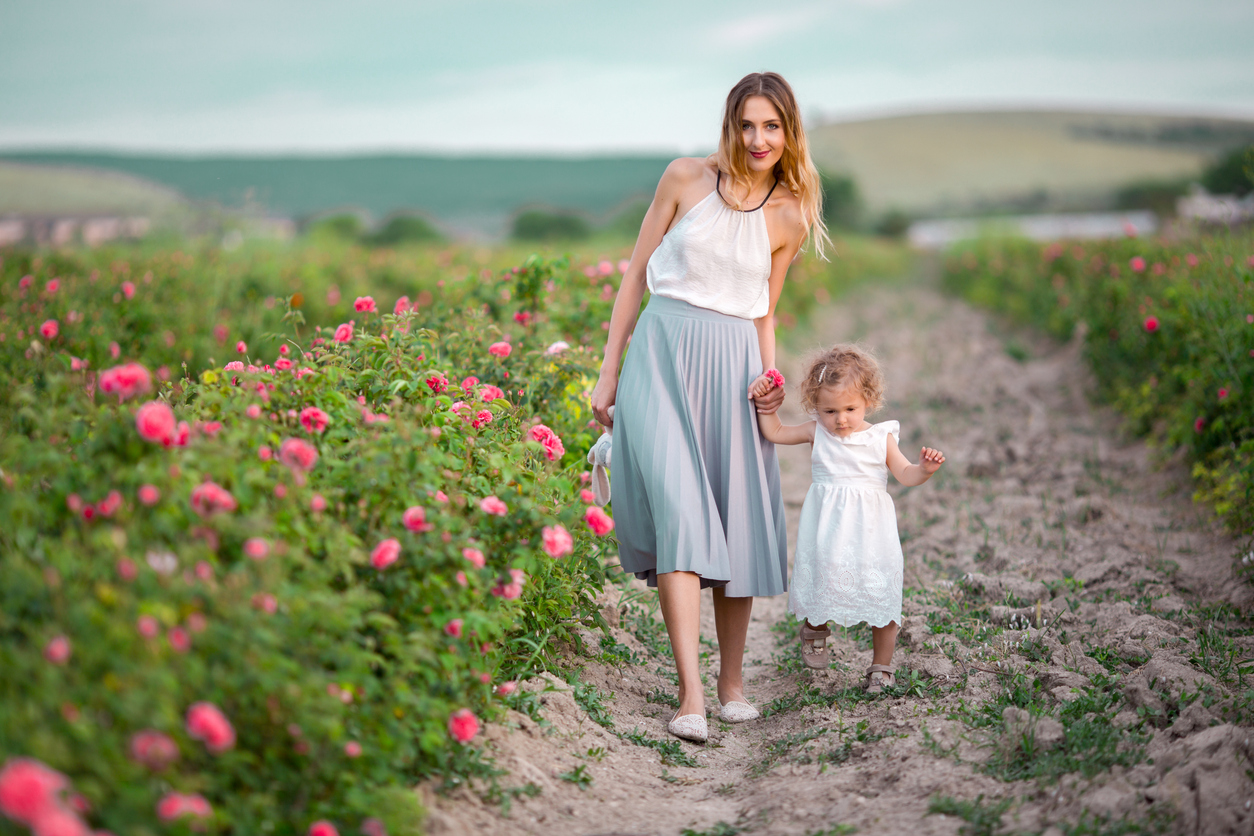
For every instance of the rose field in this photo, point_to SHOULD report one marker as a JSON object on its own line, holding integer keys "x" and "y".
{"x": 282, "y": 529}
{"x": 1168, "y": 330}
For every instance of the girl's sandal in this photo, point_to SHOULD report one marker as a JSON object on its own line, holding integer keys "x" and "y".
{"x": 879, "y": 677}
{"x": 814, "y": 645}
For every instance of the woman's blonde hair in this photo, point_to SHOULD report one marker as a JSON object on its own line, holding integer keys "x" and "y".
{"x": 795, "y": 169}
{"x": 840, "y": 366}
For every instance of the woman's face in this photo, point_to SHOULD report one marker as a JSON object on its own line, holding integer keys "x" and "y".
{"x": 762, "y": 130}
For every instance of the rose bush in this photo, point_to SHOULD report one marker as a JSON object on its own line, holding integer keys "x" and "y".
{"x": 1169, "y": 336}
{"x": 197, "y": 631}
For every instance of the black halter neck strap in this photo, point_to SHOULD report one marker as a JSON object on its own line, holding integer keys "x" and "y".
{"x": 718, "y": 181}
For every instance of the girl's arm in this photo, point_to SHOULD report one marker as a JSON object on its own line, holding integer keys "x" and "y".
{"x": 678, "y": 176}
{"x": 909, "y": 474}
{"x": 775, "y": 430}
{"x": 791, "y": 230}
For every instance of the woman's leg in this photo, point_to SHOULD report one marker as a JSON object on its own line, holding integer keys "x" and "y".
{"x": 680, "y": 596}
{"x": 731, "y": 621}
{"x": 883, "y": 643}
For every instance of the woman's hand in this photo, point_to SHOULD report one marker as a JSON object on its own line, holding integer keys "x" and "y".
{"x": 603, "y": 397}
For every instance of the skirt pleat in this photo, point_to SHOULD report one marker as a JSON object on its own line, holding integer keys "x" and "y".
{"x": 695, "y": 486}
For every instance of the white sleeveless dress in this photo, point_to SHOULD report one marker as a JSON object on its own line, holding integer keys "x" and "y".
{"x": 848, "y": 566}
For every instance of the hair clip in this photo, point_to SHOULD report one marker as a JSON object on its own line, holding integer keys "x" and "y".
{"x": 822, "y": 372}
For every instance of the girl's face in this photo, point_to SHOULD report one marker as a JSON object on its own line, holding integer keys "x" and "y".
{"x": 762, "y": 131}
{"x": 842, "y": 410}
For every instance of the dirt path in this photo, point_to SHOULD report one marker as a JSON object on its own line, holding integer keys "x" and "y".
{"x": 1071, "y": 651}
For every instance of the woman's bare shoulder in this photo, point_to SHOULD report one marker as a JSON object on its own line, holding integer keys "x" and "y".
{"x": 686, "y": 170}
{"x": 786, "y": 209}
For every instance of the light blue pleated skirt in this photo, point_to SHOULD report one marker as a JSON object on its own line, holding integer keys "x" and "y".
{"x": 695, "y": 486}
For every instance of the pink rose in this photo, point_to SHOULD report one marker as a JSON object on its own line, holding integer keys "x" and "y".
{"x": 501, "y": 349}
{"x": 147, "y": 626}
{"x": 463, "y": 725}
{"x": 61, "y": 821}
{"x": 266, "y": 602}
{"x": 205, "y": 721}
{"x": 175, "y": 805}
{"x": 507, "y": 688}
{"x": 553, "y": 447}
{"x": 599, "y": 521}
{"x": 314, "y": 420}
{"x": 253, "y": 411}
{"x": 317, "y": 503}
{"x": 364, "y": 304}
{"x": 210, "y": 498}
{"x": 344, "y": 333}
{"x": 438, "y": 382}
{"x": 322, "y": 828}
{"x": 153, "y": 750}
{"x": 109, "y": 506}
{"x": 256, "y": 548}
{"x": 1137, "y": 264}
{"x": 125, "y": 381}
{"x": 557, "y": 540}
{"x": 454, "y": 628}
{"x": 49, "y": 329}
{"x": 298, "y": 454}
{"x": 482, "y": 418}
{"x": 28, "y": 789}
{"x": 353, "y": 749}
{"x": 149, "y": 495}
{"x": 587, "y": 496}
{"x": 492, "y": 505}
{"x": 523, "y": 318}
{"x": 557, "y": 347}
{"x": 415, "y": 519}
{"x": 57, "y": 651}
{"x": 155, "y": 422}
{"x": 402, "y": 305}
{"x": 385, "y": 554}
{"x": 1151, "y": 324}
{"x": 474, "y": 556}
{"x": 241, "y": 347}
{"x": 179, "y": 640}
{"x": 490, "y": 393}
{"x": 469, "y": 383}
{"x": 283, "y": 364}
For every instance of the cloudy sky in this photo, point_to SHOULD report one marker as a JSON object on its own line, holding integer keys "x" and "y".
{"x": 567, "y": 76}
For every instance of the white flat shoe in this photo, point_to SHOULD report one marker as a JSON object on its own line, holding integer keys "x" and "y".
{"x": 737, "y": 712}
{"x": 689, "y": 727}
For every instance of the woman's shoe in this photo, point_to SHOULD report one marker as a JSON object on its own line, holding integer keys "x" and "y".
{"x": 689, "y": 727}
{"x": 814, "y": 645}
{"x": 879, "y": 677}
{"x": 737, "y": 712}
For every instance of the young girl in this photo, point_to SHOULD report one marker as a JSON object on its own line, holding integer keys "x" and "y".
{"x": 848, "y": 566}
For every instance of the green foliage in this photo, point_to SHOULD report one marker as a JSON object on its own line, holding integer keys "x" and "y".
{"x": 345, "y": 227}
{"x": 578, "y": 776}
{"x": 842, "y": 205}
{"x": 1158, "y": 196}
{"x": 405, "y": 229}
{"x": 1233, "y": 173}
{"x": 1168, "y": 336}
{"x": 893, "y": 224}
{"x": 981, "y": 819}
{"x": 538, "y": 225}
{"x": 304, "y": 645}
{"x": 720, "y": 829}
{"x": 672, "y": 751}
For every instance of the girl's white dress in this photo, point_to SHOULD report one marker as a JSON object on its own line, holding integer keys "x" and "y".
{"x": 848, "y": 566}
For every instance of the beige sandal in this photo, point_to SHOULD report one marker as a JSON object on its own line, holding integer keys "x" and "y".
{"x": 879, "y": 677}
{"x": 814, "y": 645}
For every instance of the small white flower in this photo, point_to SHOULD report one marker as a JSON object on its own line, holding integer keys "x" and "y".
{"x": 162, "y": 562}
{"x": 557, "y": 347}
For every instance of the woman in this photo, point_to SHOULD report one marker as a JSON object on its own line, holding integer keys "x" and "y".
{"x": 696, "y": 489}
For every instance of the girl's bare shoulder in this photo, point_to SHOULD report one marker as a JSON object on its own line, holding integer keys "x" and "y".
{"x": 684, "y": 171}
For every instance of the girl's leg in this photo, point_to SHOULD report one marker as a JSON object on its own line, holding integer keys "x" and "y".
{"x": 731, "y": 621}
{"x": 883, "y": 643}
{"x": 680, "y": 597}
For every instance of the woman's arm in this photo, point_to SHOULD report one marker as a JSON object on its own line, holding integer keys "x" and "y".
{"x": 679, "y": 175}
{"x": 788, "y": 227}
{"x": 775, "y": 430}
{"x": 908, "y": 474}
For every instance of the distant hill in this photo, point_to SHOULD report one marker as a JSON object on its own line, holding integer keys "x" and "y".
{"x": 53, "y": 190}
{"x": 463, "y": 193}
{"x": 959, "y": 162}
{"x": 941, "y": 163}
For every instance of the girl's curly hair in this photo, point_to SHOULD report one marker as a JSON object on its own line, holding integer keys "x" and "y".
{"x": 843, "y": 365}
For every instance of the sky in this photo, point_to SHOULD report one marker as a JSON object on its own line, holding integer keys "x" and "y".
{"x": 591, "y": 77}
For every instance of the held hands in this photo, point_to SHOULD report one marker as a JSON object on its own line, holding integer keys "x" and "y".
{"x": 930, "y": 460}
{"x": 767, "y": 391}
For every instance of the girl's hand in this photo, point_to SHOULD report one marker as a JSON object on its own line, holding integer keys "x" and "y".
{"x": 760, "y": 386}
{"x": 603, "y": 397}
{"x": 930, "y": 460}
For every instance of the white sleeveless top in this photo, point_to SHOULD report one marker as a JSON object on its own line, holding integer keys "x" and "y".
{"x": 716, "y": 258}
